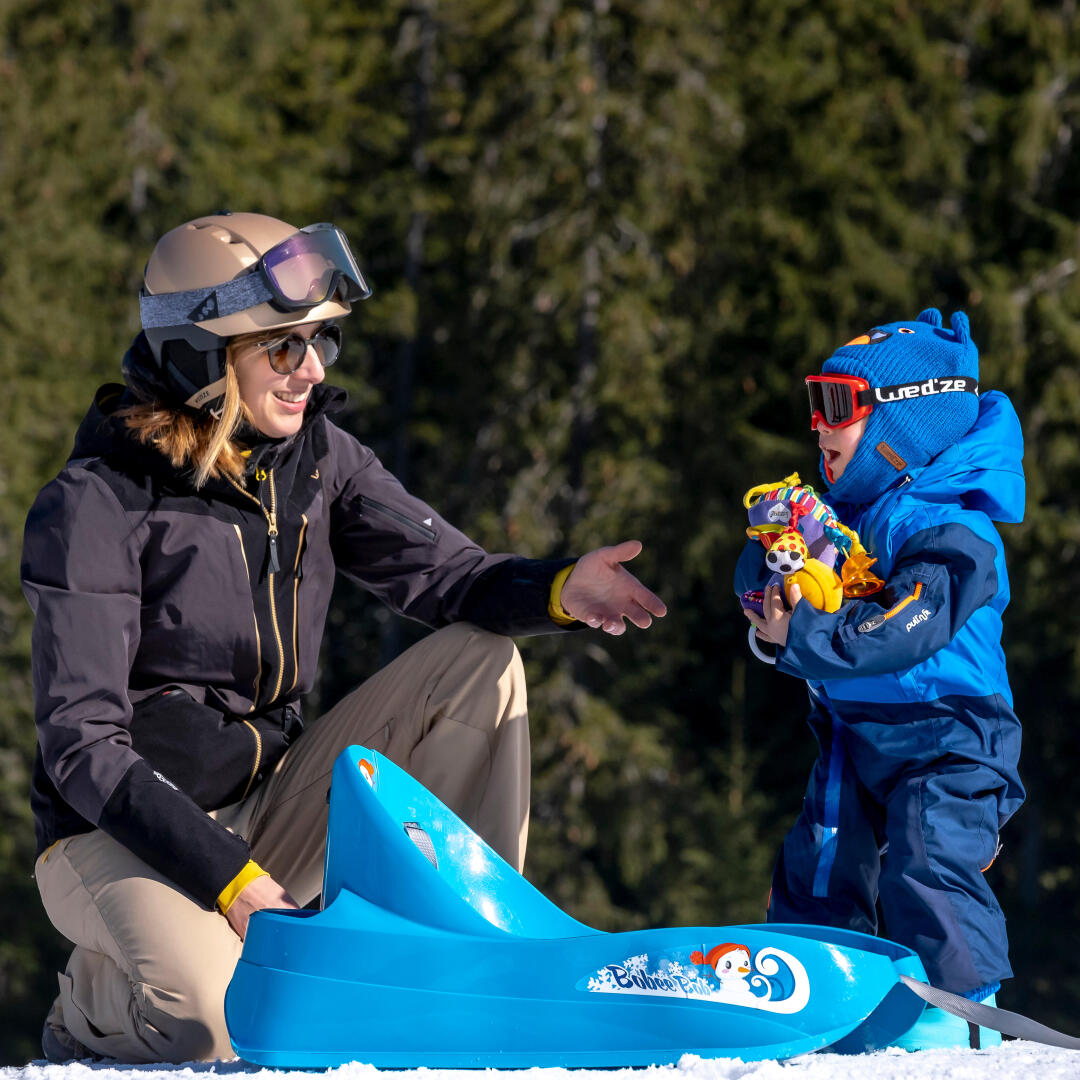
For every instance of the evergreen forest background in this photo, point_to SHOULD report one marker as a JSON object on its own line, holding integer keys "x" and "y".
{"x": 607, "y": 238}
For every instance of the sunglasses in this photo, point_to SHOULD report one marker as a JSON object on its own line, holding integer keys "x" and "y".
{"x": 287, "y": 353}
{"x": 838, "y": 401}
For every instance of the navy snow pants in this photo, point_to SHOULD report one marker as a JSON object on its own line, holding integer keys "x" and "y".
{"x": 907, "y": 836}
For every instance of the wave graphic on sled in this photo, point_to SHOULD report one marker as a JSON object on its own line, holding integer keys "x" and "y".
{"x": 432, "y": 951}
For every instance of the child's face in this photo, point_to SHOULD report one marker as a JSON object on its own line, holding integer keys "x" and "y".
{"x": 838, "y": 445}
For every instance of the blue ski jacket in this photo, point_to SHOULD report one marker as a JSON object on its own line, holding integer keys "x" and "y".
{"x": 918, "y": 670}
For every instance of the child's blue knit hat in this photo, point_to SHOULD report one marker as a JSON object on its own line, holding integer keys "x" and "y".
{"x": 905, "y": 434}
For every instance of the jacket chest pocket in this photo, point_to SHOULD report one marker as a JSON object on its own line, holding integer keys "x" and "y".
{"x": 379, "y": 509}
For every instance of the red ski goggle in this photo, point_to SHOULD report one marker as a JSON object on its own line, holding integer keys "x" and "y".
{"x": 840, "y": 400}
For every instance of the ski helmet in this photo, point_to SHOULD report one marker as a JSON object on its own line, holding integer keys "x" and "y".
{"x": 220, "y": 276}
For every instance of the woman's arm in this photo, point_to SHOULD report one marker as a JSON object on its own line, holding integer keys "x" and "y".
{"x": 417, "y": 563}
{"x": 82, "y": 577}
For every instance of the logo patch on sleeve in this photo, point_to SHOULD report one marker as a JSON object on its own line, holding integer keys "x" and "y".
{"x": 916, "y": 619}
{"x": 165, "y": 780}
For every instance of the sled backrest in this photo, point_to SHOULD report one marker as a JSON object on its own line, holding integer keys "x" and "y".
{"x": 392, "y": 842}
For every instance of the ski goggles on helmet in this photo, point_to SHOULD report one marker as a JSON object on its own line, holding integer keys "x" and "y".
{"x": 307, "y": 268}
{"x": 286, "y": 353}
{"x": 302, "y": 271}
{"x": 840, "y": 400}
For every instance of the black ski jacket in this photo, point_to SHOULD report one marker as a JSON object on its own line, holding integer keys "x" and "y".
{"x": 176, "y": 630}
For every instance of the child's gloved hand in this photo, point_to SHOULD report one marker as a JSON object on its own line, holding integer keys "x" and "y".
{"x": 773, "y": 624}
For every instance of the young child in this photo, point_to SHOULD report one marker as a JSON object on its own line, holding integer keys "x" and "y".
{"x": 911, "y": 704}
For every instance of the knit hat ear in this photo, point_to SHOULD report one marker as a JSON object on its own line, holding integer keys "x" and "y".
{"x": 906, "y": 432}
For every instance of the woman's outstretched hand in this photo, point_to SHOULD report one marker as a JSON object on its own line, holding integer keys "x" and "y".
{"x": 601, "y": 592}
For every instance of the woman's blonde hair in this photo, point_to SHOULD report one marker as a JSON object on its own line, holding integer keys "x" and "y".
{"x": 203, "y": 442}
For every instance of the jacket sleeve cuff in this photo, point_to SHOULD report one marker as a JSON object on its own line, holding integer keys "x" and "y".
{"x": 228, "y": 895}
{"x": 555, "y": 608}
{"x": 513, "y": 597}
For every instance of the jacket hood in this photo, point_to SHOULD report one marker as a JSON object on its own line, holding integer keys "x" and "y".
{"x": 984, "y": 470}
{"x": 101, "y": 430}
{"x": 142, "y": 373}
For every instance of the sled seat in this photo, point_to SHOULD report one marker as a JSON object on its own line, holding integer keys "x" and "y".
{"x": 392, "y": 842}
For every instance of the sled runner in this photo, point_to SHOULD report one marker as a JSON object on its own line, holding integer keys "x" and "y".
{"x": 430, "y": 950}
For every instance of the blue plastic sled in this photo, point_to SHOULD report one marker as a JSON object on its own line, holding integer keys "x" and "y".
{"x": 432, "y": 951}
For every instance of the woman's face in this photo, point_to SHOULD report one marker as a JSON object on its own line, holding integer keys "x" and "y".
{"x": 276, "y": 402}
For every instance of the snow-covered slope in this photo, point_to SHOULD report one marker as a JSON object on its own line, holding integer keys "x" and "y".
{"x": 1012, "y": 1061}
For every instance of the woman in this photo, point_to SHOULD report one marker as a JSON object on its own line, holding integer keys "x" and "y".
{"x": 180, "y": 569}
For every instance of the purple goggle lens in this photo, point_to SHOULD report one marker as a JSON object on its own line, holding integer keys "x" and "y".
{"x": 309, "y": 267}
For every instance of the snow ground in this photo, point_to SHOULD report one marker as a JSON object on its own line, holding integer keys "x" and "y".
{"x": 1010, "y": 1061}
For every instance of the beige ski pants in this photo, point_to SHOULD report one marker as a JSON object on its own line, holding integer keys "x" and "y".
{"x": 146, "y": 980}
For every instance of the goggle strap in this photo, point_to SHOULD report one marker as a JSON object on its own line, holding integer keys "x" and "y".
{"x": 200, "y": 305}
{"x": 886, "y": 395}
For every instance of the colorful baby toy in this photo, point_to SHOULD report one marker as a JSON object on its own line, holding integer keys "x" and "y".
{"x": 804, "y": 543}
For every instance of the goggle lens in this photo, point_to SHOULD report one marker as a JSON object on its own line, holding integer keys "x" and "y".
{"x": 305, "y": 278}
{"x": 287, "y": 354}
{"x": 833, "y": 400}
{"x": 308, "y": 267}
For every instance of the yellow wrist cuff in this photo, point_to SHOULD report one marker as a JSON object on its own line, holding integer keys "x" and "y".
{"x": 555, "y": 608}
{"x": 228, "y": 896}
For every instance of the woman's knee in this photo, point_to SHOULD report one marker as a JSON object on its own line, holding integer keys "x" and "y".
{"x": 479, "y": 657}
{"x": 473, "y": 641}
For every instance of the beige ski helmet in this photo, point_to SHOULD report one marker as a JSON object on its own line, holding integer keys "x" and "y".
{"x": 216, "y": 277}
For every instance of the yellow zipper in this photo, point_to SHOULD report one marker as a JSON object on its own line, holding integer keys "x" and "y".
{"x": 258, "y": 757}
{"x": 295, "y": 600}
{"x": 258, "y": 642}
{"x": 272, "y": 534}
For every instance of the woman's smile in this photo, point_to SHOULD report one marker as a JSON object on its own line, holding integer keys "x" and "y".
{"x": 277, "y": 401}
